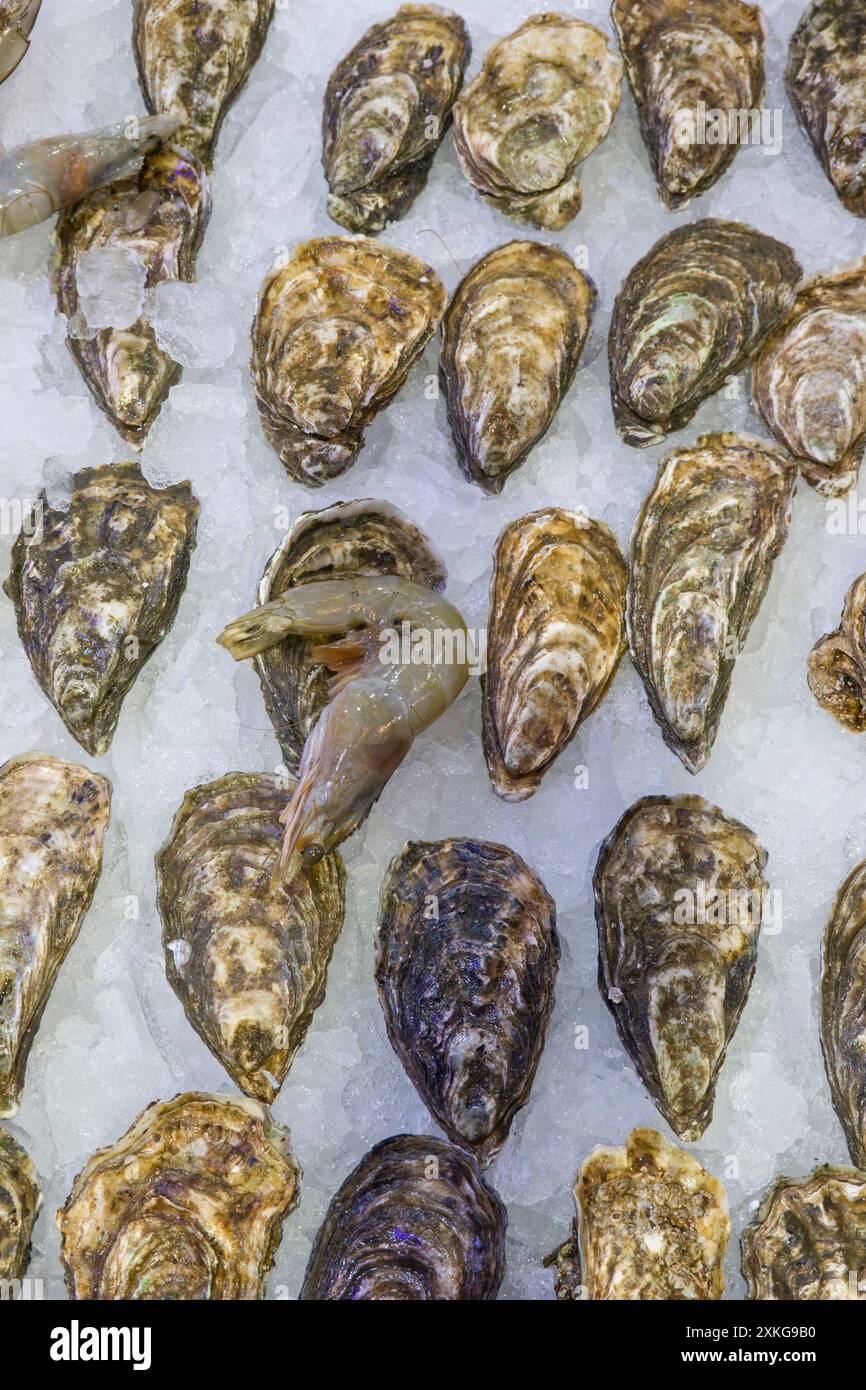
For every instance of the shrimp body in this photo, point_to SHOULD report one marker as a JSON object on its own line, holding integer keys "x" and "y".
{"x": 17, "y": 18}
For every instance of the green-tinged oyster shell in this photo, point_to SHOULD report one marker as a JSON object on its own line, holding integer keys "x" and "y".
{"x": 826, "y": 80}
{"x": 20, "y": 1200}
{"x": 837, "y": 663}
{"x": 808, "y": 1240}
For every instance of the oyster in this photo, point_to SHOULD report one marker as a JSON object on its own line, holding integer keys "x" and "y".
{"x": 96, "y": 588}
{"x": 837, "y": 663}
{"x": 650, "y": 1223}
{"x": 545, "y": 97}
{"x": 691, "y": 314}
{"x": 52, "y": 823}
{"x": 17, "y": 18}
{"x": 810, "y": 380}
{"x": 337, "y": 330}
{"x": 555, "y": 638}
{"x": 679, "y": 891}
{"x": 20, "y": 1200}
{"x": 414, "y": 1222}
{"x": 683, "y": 57}
{"x": 511, "y": 342}
{"x": 387, "y": 107}
{"x": 702, "y": 555}
{"x": 843, "y": 1023}
{"x": 466, "y": 964}
{"x": 808, "y": 1240}
{"x": 246, "y": 957}
{"x": 188, "y": 1204}
{"x": 826, "y": 80}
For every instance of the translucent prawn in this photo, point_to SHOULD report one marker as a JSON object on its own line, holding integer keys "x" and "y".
{"x": 378, "y": 704}
{"x": 17, "y": 18}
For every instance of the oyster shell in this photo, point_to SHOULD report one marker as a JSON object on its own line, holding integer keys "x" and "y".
{"x": 810, "y": 380}
{"x": 555, "y": 638}
{"x": 843, "y": 1024}
{"x": 826, "y": 81}
{"x": 414, "y": 1222}
{"x": 679, "y": 890}
{"x": 52, "y": 823}
{"x": 682, "y": 56}
{"x": 511, "y": 341}
{"x": 96, "y": 588}
{"x": 837, "y": 663}
{"x": 702, "y": 555}
{"x": 20, "y": 1200}
{"x": 650, "y": 1223}
{"x": 466, "y": 965}
{"x": 387, "y": 107}
{"x": 693, "y": 312}
{"x": 545, "y": 97}
{"x": 247, "y": 958}
{"x": 337, "y": 330}
{"x": 17, "y": 18}
{"x": 188, "y": 1204}
{"x": 808, "y": 1240}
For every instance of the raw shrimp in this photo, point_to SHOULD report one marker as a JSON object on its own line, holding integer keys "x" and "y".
{"x": 17, "y": 18}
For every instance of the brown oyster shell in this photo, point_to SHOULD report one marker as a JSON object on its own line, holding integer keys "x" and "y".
{"x": 808, "y": 1241}
{"x": 188, "y": 1204}
{"x": 338, "y": 328}
{"x": 826, "y": 81}
{"x": 679, "y": 890}
{"x": 692, "y": 313}
{"x": 466, "y": 964}
{"x": 20, "y": 1200}
{"x": 555, "y": 638}
{"x": 53, "y": 817}
{"x": 17, "y": 18}
{"x": 511, "y": 341}
{"x": 702, "y": 555}
{"x": 414, "y": 1222}
{"x": 387, "y": 107}
{"x": 650, "y": 1223}
{"x": 843, "y": 1027}
{"x": 546, "y": 95}
{"x": 96, "y": 587}
{"x": 837, "y": 664}
{"x": 248, "y": 958}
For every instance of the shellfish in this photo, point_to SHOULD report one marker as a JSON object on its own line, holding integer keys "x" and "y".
{"x": 826, "y": 81}
{"x": 843, "y": 1028}
{"x": 20, "y": 1200}
{"x": 17, "y": 18}
{"x": 808, "y": 1240}
{"x": 837, "y": 663}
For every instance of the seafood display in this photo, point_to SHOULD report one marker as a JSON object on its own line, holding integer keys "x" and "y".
{"x": 17, "y": 18}
{"x": 20, "y": 1200}
{"x": 826, "y": 81}
{"x": 679, "y": 895}
{"x": 387, "y": 107}
{"x": 415, "y": 1221}
{"x": 466, "y": 964}
{"x": 511, "y": 341}
{"x": 837, "y": 663}
{"x": 555, "y": 638}
{"x": 545, "y": 97}
{"x": 808, "y": 1240}
{"x": 843, "y": 1027}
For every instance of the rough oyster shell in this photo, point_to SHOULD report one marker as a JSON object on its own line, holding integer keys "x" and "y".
{"x": 414, "y": 1222}
{"x": 96, "y": 588}
{"x": 679, "y": 890}
{"x": 545, "y": 97}
{"x": 826, "y": 81}
{"x": 837, "y": 663}
{"x": 247, "y": 958}
{"x": 702, "y": 555}
{"x": 337, "y": 330}
{"x": 17, "y": 18}
{"x": 808, "y": 1240}
{"x": 188, "y": 1204}
{"x": 387, "y": 107}
{"x": 511, "y": 341}
{"x": 682, "y": 56}
{"x": 843, "y": 1025}
{"x": 810, "y": 380}
{"x": 692, "y": 313}
{"x": 466, "y": 965}
{"x": 650, "y": 1223}
{"x": 52, "y": 823}
{"x": 20, "y": 1200}
{"x": 555, "y": 638}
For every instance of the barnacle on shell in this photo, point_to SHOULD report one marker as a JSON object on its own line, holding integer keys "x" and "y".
{"x": 20, "y": 1200}
{"x": 808, "y": 1240}
{"x": 843, "y": 1023}
{"x": 837, "y": 663}
{"x": 826, "y": 81}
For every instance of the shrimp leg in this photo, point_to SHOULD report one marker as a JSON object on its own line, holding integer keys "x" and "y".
{"x": 17, "y": 18}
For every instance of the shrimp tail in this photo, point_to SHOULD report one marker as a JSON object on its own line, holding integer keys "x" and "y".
{"x": 15, "y": 36}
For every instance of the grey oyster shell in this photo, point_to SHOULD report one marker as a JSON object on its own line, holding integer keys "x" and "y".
{"x": 693, "y": 312}
{"x": 96, "y": 587}
{"x": 809, "y": 381}
{"x": 387, "y": 107}
{"x": 682, "y": 56}
{"x": 414, "y": 1222}
{"x": 17, "y": 18}
{"x": 159, "y": 216}
{"x": 511, "y": 341}
{"x": 20, "y": 1200}
{"x": 188, "y": 1204}
{"x": 545, "y": 97}
{"x": 837, "y": 664}
{"x": 53, "y": 817}
{"x": 808, "y": 1241}
{"x": 555, "y": 637}
{"x": 366, "y": 537}
{"x": 702, "y": 555}
{"x": 826, "y": 81}
{"x": 466, "y": 964}
{"x": 843, "y": 1024}
{"x": 650, "y": 1224}
{"x": 247, "y": 958}
{"x": 679, "y": 890}
{"x": 338, "y": 328}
